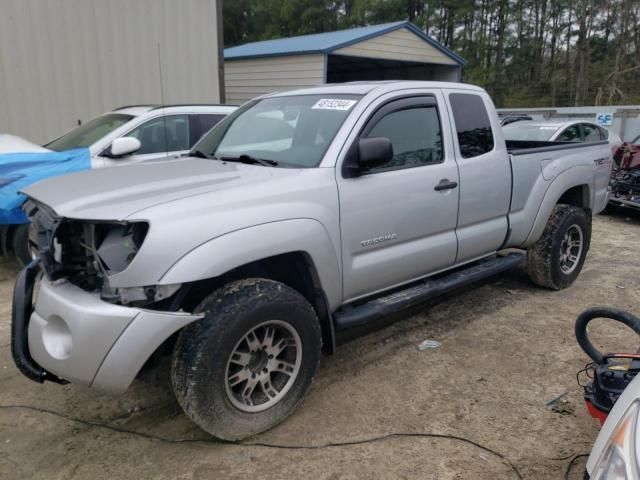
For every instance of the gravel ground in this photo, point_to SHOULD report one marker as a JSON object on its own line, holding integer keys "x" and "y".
{"x": 507, "y": 348}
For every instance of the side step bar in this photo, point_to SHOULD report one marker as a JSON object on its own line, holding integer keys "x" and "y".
{"x": 380, "y": 307}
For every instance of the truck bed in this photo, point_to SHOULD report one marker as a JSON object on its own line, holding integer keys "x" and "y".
{"x": 535, "y": 165}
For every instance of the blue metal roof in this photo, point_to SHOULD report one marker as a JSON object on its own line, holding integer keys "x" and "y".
{"x": 327, "y": 42}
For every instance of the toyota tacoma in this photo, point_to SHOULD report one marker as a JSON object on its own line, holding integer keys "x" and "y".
{"x": 300, "y": 214}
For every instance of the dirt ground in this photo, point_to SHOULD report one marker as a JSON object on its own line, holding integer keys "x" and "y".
{"x": 507, "y": 348}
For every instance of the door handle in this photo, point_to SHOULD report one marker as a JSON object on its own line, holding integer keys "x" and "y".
{"x": 445, "y": 184}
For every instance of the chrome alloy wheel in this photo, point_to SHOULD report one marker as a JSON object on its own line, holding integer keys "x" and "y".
{"x": 571, "y": 249}
{"x": 263, "y": 366}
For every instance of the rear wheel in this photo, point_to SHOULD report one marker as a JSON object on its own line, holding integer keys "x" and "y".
{"x": 556, "y": 260}
{"x": 245, "y": 367}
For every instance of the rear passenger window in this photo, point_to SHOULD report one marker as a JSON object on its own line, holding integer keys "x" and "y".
{"x": 472, "y": 124}
{"x": 604, "y": 134}
{"x": 415, "y": 137}
{"x": 201, "y": 124}
{"x": 591, "y": 133}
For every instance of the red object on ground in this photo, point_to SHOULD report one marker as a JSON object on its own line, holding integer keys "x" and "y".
{"x": 595, "y": 413}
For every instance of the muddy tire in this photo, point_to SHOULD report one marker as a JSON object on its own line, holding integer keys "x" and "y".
{"x": 556, "y": 260}
{"x": 247, "y": 365}
{"x": 20, "y": 244}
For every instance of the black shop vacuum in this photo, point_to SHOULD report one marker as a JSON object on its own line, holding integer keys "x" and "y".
{"x": 608, "y": 374}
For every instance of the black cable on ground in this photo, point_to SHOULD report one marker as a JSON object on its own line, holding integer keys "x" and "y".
{"x": 347, "y": 443}
{"x": 572, "y": 463}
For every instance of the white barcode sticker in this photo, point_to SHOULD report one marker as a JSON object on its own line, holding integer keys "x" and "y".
{"x": 333, "y": 104}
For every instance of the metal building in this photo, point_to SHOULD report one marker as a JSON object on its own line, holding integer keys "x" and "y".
{"x": 66, "y": 61}
{"x": 391, "y": 51}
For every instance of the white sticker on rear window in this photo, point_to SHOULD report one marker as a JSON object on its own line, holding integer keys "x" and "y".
{"x": 333, "y": 104}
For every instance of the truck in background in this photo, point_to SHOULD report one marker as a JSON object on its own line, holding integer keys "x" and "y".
{"x": 623, "y": 120}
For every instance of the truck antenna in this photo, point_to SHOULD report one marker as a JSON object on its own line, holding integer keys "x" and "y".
{"x": 164, "y": 116}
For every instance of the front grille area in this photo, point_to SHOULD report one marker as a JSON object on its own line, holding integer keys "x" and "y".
{"x": 74, "y": 256}
{"x": 64, "y": 247}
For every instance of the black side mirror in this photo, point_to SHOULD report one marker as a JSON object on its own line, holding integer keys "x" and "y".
{"x": 374, "y": 151}
{"x": 365, "y": 154}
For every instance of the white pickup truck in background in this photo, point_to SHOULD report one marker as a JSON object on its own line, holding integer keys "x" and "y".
{"x": 576, "y": 131}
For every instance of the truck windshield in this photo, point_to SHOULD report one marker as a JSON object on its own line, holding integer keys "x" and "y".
{"x": 292, "y": 131}
{"x": 529, "y": 131}
{"x": 89, "y": 133}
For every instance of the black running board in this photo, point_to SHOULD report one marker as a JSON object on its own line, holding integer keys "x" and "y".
{"x": 380, "y": 307}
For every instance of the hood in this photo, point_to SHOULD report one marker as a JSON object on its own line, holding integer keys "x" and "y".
{"x": 14, "y": 144}
{"x": 118, "y": 192}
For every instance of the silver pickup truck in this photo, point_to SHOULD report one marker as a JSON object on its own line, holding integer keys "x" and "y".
{"x": 300, "y": 214}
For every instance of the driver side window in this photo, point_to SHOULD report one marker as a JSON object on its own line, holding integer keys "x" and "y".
{"x": 591, "y": 133}
{"x": 163, "y": 134}
{"x": 415, "y": 136}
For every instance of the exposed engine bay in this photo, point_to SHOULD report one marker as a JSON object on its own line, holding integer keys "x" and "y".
{"x": 625, "y": 177}
{"x": 87, "y": 253}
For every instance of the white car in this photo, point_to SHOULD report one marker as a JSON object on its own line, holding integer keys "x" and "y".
{"x": 548, "y": 131}
{"x": 124, "y": 136}
{"x": 616, "y": 453}
{"x": 140, "y": 133}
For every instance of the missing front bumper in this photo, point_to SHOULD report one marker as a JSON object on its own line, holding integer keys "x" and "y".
{"x": 73, "y": 335}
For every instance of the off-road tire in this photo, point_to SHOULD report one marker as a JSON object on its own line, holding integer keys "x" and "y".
{"x": 543, "y": 258}
{"x": 20, "y": 244}
{"x": 203, "y": 350}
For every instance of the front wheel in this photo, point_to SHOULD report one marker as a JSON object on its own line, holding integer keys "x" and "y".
{"x": 245, "y": 367}
{"x": 556, "y": 260}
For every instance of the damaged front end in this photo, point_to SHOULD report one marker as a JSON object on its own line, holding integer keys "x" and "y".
{"x": 87, "y": 253}
{"x": 80, "y": 328}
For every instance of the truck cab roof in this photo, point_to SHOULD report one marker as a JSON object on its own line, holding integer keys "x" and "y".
{"x": 385, "y": 86}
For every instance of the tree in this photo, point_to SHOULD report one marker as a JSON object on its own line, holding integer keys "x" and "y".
{"x": 525, "y": 52}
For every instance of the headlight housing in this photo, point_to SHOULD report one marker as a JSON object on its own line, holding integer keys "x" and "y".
{"x": 68, "y": 246}
{"x": 84, "y": 252}
{"x": 87, "y": 253}
{"x": 619, "y": 460}
{"x": 116, "y": 245}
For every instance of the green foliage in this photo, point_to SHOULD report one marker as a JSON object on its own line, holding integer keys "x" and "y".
{"x": 525, "y": 52}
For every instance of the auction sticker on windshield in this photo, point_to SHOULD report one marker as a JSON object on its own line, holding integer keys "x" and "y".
{"x": 333, "y": 104}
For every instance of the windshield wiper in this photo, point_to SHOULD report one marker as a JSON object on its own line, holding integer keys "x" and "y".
{"x": 265, "y": 162}
{"x": 200, "y": 154}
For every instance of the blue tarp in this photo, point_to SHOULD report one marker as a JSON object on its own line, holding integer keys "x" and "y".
{"x": 19, "y": 170}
